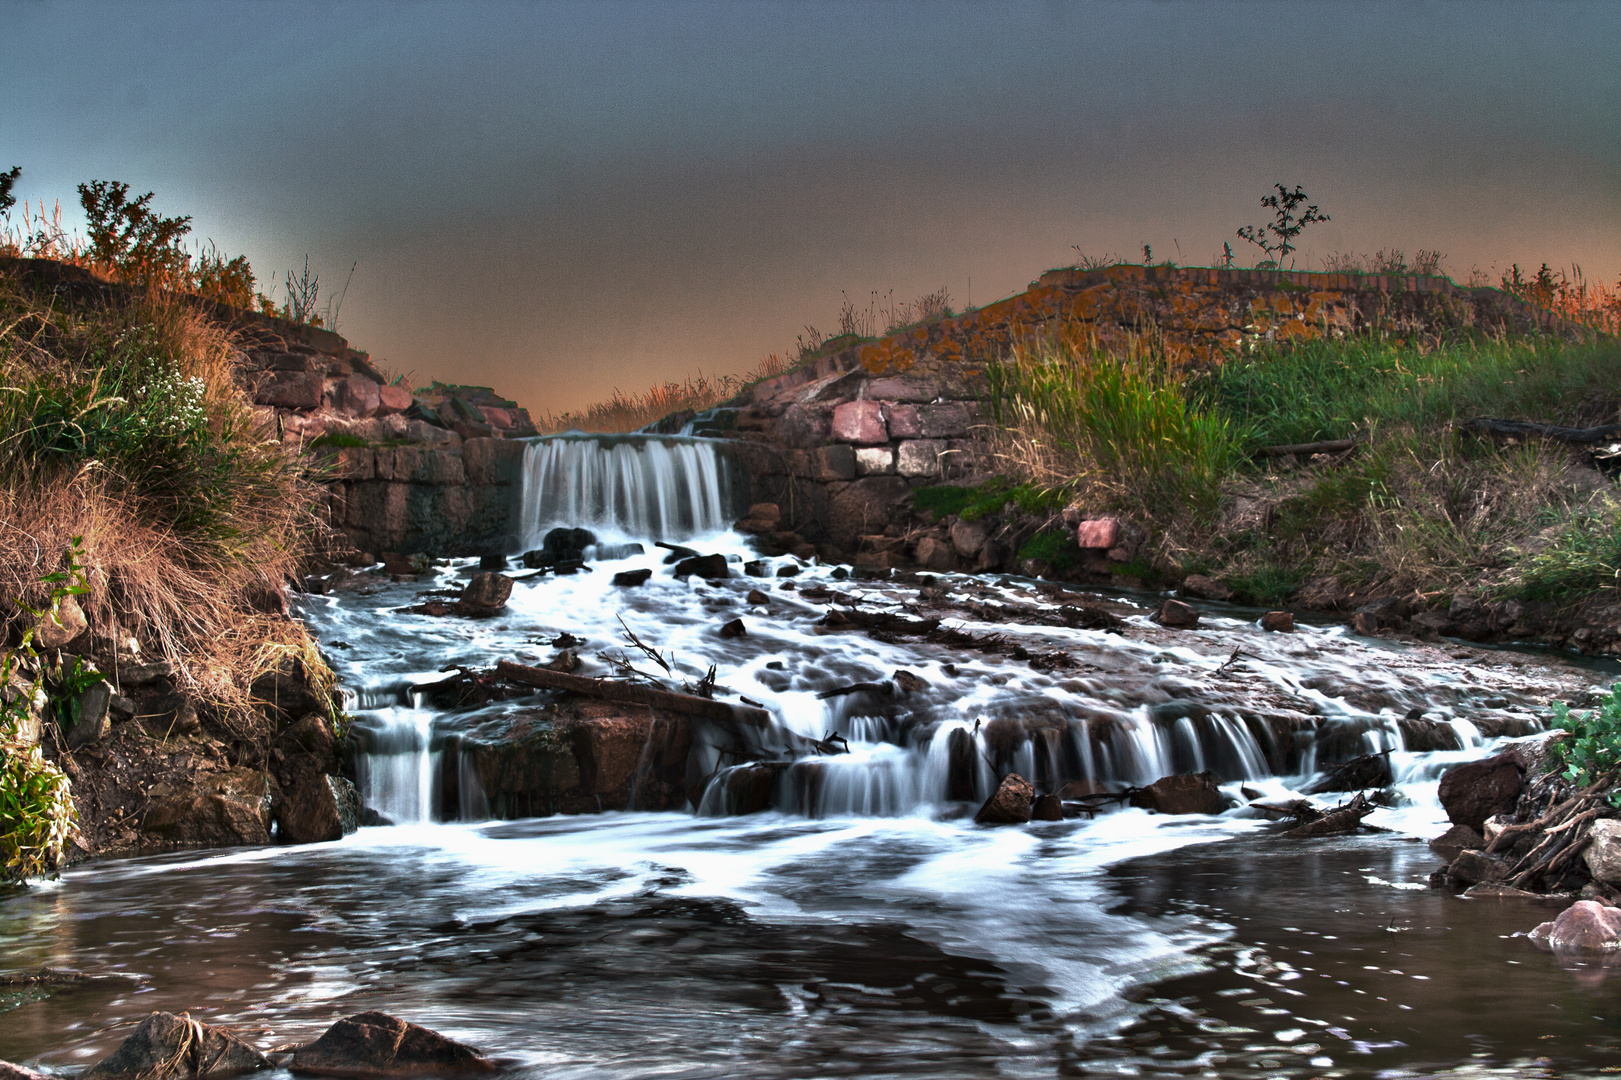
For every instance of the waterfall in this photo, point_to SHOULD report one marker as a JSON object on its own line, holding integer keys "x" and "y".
{"x": 656, "y": 487}
{"x": 394, "y": 768}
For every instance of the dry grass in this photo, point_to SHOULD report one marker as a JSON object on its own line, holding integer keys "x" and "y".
{"x": 631, "y": 412}
{"x": 189, "y": 521}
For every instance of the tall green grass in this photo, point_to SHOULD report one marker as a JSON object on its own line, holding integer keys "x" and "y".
{"x": 1124, "y": 426}
{"x": 1340, "y": 389}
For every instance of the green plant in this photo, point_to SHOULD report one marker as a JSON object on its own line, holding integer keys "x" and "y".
{"x": 991, "y": 497}
{"x": 1592, "y": 751}
{"x": 1584, "y": 558}
{"x": 127, "y": 236}
{"x": 1285, "y": 227}
{"x": 7, "y": 179}
{"x": 36, "y": 804}
{"x": 1055, "y": 547}
{"x": 1266, "y": 586}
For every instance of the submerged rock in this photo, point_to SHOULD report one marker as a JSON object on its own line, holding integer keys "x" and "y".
{"x": 629, "y": 579}
{"x": 165, "y": 1046}
{"x": 376, "y": 1044}
{"x": 704, "y": 566}
{"x": 1177, "y": 615}
{"x": 1186, "y": 793}
{"x": 1586, "y": 925}
{"x": 1456, "y": 839}
{"x": 1009, "y": 804}
{"x": 1047, "y": 808}
{"x": 486, "y": 594}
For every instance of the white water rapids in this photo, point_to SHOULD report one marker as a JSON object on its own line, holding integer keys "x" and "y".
{"x": 863, "y": 925}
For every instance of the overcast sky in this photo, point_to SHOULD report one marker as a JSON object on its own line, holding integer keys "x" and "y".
{"x": 561, "y": 199}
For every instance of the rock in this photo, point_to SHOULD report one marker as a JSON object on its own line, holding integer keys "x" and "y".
{"x": 292, "y": 390}
{"x": 922, "y": 457}
{"x": 561, "y": 544}
{"x": 1278, "y": 622}
{"x": 492, "y": 561}
{"x": 908, "y": 682}
{"x": 757, "y": 568}
{"x": 485, "y": 594}
{"x": 1358, "y": 774}
{"x": 751, "y": 789}
{"x": 968, "y": 537}
{"x": 1186, "y": 793}
{"x": 1009, "y": 804}
{"x": 8, "y": 1071}
{"x": 712, "y": 567}
{"x": 875, "y": 461}
{"x": 1585, "y": 925}
{"x": 141, "y": 674}
{"x": 1047, "y": 808}
{"x": 319, "y": 809}
{"x": 95, "y": 721}
{"x": 1205, "y": 588}
{"x": 64, "y": 628}
{"x": 1079, "y": 789}
{"x": 734, "y": 629}
{"x": 936, "y": 554}
{"x": 1098, "y": 533}
{"x": 629, "y": 579}
{"x": 761, "y": 518}
{"x": 1456, "y": 839}
{"x": 1475, "y": 790}
{"x": 167, "y": 715}
{"x": 357, "y": 396}
{"x": 860, "y": 422}
{"x": 392, "y": 399}
{"x": 1177, "y": 615}
{"x": 1473, "y": 867}
{"x": 788, "y": 570}
{"x": 756, "y": 597}
{"x": 165, "y": 1046}
{"x": 1603, "y": 854}
{"x": 376, "y": 1044}
{"x": 222, "y": 810}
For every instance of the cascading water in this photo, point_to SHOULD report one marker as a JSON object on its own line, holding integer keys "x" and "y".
{"x": 640, "y": 487}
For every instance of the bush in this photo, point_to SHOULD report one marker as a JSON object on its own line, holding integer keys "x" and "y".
{"x": 1584, "y": 558}
{"x": 1592, "y": 752}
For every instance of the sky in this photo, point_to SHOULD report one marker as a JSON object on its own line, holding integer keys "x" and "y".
{"x": 558, "y": 200}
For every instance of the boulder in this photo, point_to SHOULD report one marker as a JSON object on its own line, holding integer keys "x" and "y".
{"x": 222, "y": 810}
{"x": 1475, "y": 790}
{"x": 1177, "y": 615}
{"x": 1186, "y": 793}
{"x": 968, "y": 537}
{"x": 319, "y": 808}
{"x": 1586, "y": 925}
{"x": 712, "y": 567}
{"x": 1080, "y": 789}
{"x": 486, "y": 594}
{"x": 62, "y": 629}
{"x": 1098, "y": 533}
{"x": 95, "y": 720}
{"x": 761, "y": 518}
{"x": 1009, "y": 804}
{"x": 1457, "y": 839}
{"x": 1473, "y": 867}
{"x": 165, "y": 1046}
{"x": 1603, "y": 854}
{"x": 1047, "y": 808}
{"x": 921, "y": 457}
{"x": 292, "y": 390}
{"x": 734, "y": 629}
{"x": 757, "y": 598}
{"x": 629, "y": 579}
{"x": 376, "y": 1044}
{"x": 1205, "y": 588}
{"x": 357, "y": 396}
{"x": 750, "y": 789}
{"x": 934, "y": 553}
{"x": 392, "y": 399}
{"x": 1278, "y": 622}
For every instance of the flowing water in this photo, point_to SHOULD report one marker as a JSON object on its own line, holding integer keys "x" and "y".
{"x": 863, "y": 925}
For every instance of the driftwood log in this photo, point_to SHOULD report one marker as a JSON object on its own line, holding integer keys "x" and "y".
{"x": 1521, "y": 429}
{"x": 634, "y": 694}
{"x": 1341, "y": 819}
{"x": 1328, "y": 446}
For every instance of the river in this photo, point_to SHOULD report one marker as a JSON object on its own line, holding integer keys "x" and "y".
{"x": 863, "y": 925}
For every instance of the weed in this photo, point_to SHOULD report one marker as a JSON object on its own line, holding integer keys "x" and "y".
{"x": 1584, "y": 558}
{"x": 1057, "y": 548}
{"x": 8, "y": 178}
{"x": 1592, "y": 751}
{"x": 991, "y": 497}
{"x": 630, "y": 412}
{"x": 1267, "y": 586}
{"x": 1276, "y": 238}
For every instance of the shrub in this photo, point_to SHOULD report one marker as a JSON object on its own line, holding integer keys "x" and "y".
{"x": 1584, "y": 558}
{"x": 1276, "y": 238}
{"x": 1592, "y": 752}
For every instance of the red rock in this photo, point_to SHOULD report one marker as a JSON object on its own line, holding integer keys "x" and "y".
{"x": 860, "y": 422}
{"x": 356, "y": 395}
{"x": 376, "y": 1044}
{"x": 1476, "y": 790}
{"x": 1009, "y": 804}
{"x": 1100, "y": 533}
{"x": 292, "y": 390}
{"x": 1205, "y": 588}
{"x": 1278, "y": 622}
{"x": 392, "y": 399}
{"x": 1586, "y": 925}
{"x": 1047, "y": 808}
{"x": 485, "y": 594}
{"x": 904, "y": 422}
{"x": 1186, "y": 793}
{"x": 1177, "y": 615}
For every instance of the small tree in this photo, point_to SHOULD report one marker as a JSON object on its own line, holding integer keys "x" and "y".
{"x": 129, "y": 238}
{"x": 8, "y": 178}
{"x": 1277, "y": 238}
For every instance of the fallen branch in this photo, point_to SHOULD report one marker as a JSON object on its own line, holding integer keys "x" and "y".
{"x": 1341, "y": 819}
{"x": 1328, "y": 446}
{"x": 1513, "y": 429}
{"x": 885, "y": 688}
{"x": 646, "y": 651}
{"x": 611, "y": 690}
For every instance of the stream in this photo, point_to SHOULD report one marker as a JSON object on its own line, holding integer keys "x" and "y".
{"x": 862, "y": 925}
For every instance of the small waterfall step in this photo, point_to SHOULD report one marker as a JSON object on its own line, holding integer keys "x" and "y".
{"x": 654, "y": 487}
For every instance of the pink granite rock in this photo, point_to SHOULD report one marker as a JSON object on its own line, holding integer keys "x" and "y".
{"x": 1586, "y": 924}
{"x": 1098, "y": 533}
{"x": 860, "y": 422}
